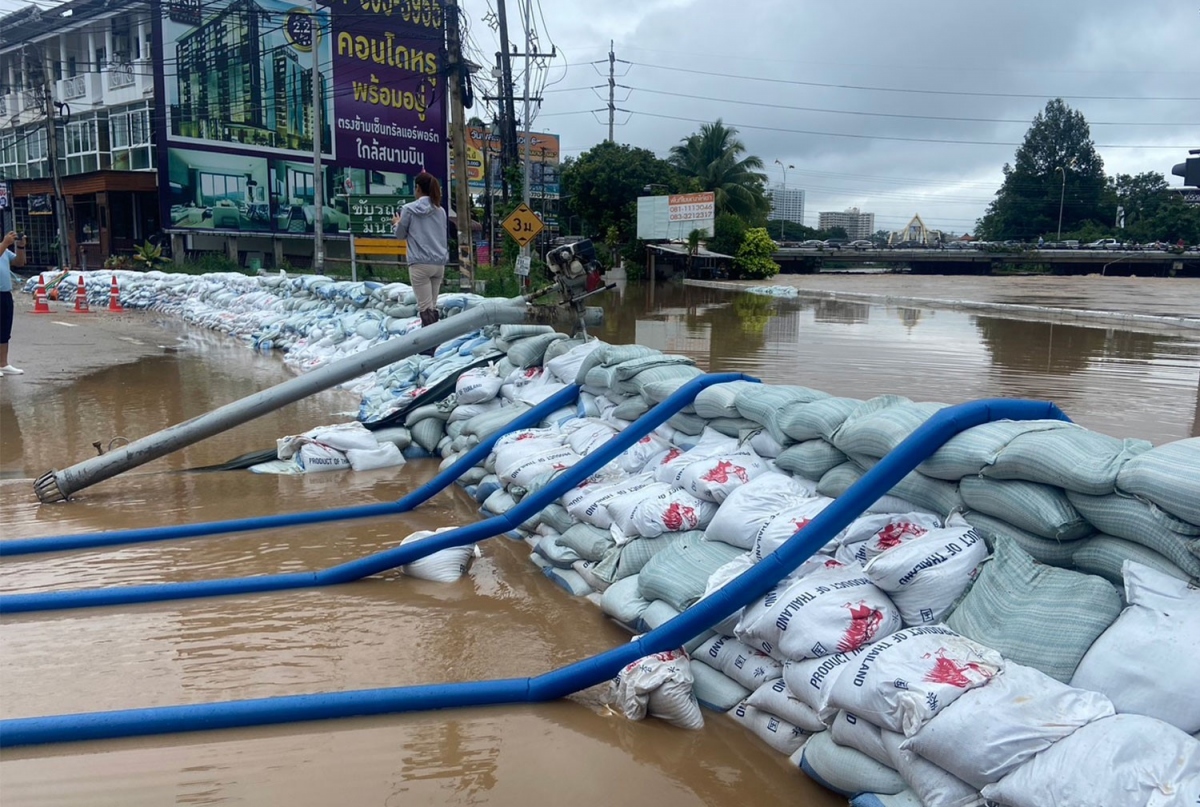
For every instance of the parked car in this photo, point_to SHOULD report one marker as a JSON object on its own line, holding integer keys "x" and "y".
{"x": 833, "y": 243}
{"x": 811, "y": 244}
{"x": 1104, "y": 243}
{"x": 860, "y": 244}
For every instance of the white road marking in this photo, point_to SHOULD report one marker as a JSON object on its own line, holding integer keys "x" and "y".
{"x": 66, "y": 324}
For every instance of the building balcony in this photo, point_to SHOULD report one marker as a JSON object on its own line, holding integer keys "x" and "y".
{"x": 128, "y": 82}
{"x": 81, "y": 91}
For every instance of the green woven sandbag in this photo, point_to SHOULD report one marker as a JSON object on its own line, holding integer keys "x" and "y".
{"x": 1040, "y": 509}
{"x": 591, "y": 543}
{"x": 656, "y": 375}
{"x": 818, "y": 420}
{"x": 1169, "y": 476}
{"x": 971, "y": 451}
{"x": 1043, "y": 550}
{"x": 1074, "y": 459}
{"x": 1034, "y": 614}
{"x": 1105, "y": 556}
{"x": 529, "y": 352}
{"x": 811, "y": 459}
{"x": 511, "y": 333}
{"x": 720, "y": 400}
{"x": 1143, "y": 523}
{"x": 881, "y": 424}
{"x": 679, "y": 574}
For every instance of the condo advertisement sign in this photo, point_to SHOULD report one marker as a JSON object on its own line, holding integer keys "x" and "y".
{"x": 236, "y": 108}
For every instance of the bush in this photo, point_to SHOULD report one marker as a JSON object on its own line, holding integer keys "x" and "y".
{"x": 119, "y": 263}
{"x": 728, "y": 233}
{"x": 754, "y": 256}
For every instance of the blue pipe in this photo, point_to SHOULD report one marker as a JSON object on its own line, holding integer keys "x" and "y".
{"x": 740, "y": 592}
{"x": 63, "y": 543}
{"x": 387, "y": 559}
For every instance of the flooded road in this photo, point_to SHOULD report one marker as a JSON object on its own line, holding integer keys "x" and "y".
{"x": 504, "y": 619}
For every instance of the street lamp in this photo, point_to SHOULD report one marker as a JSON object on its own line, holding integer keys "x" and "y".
{"x": 785, "y": 170}
{"x": 1061, "y": 196}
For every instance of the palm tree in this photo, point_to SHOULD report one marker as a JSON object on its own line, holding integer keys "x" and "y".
{"x": 713, "y": 157}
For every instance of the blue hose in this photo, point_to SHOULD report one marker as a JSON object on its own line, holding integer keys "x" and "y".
{"x": 740, "y": 592}
{"x": 390, "y": 558}
{"x": 63, "y": 543}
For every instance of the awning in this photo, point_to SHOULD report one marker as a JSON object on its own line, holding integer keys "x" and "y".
{"x": 682, "y": 251}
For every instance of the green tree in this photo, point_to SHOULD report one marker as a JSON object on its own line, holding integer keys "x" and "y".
{"x": 602, "y": 186}
{"x": 1057, "y": 149}
{"x": 713, "y": 157}
{"x": 1143, "y": 197}
{"x": 754, "y": 256}
{"x": 728, "y": 233}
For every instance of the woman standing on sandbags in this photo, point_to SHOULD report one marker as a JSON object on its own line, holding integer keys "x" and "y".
{"x": 423, "y": 224}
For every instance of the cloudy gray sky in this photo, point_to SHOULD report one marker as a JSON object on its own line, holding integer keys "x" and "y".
{"x": 684, "y": 62}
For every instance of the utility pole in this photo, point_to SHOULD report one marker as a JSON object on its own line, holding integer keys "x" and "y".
{"x": 317, "y": 125}
{"x": 458, "y": 142}
{"x": 612, "y": 90}
{"x": 60, "y": 207}
{"x": 508, "y": 136}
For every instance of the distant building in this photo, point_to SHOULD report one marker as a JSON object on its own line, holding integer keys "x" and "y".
{"x": 915, "y": 232}
{"x": 856, "y": 224}
{"x": 787, "y": 204}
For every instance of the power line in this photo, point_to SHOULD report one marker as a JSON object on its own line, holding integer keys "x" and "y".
{"x": 912, "y": 90}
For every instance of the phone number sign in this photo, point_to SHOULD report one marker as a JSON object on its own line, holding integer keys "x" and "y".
{"x": 691, "y": 206}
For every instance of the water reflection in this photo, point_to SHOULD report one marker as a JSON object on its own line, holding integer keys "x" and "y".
{"x": 1121, "y": 382}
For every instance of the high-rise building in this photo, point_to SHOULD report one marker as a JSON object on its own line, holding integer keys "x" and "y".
{"x": 857, "y": 225}
{"x": 787, "y": 204}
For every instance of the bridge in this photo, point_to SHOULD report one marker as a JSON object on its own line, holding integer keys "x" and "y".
{"x": 794, "y": 260}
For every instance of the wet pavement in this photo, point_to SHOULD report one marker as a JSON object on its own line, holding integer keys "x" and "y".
{"x": 504, "y": 619}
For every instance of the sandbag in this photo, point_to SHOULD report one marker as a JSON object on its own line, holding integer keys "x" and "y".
{"x": 971, "y": 451}
{"x": 714, "y": 478}
{"x": 852, "y": 731}
{"x": 816, "y": 420}
{"x": 787, "y": 523}
{"x": 631, "y": 408}
{"x": 845, "y": 770}
{"x": 1119, "y": 761}
{"x": 629, "y": 559}
{"x": 774, "y": 698}
{"x": 661, "y": 686}
{"x": 1040, "y": 509}
{"x": 1043, "y": 550}
{"x": 1035, "y": 615}
{"x": 1167, "y": 476}
{"x": 586, "y": 503}
{"x": 623, "y": 602}
{"x": 477, "y": 386}
{"x": 776, "y": 732}
{"x": 870, "y": 536}
{"x": 1074, "y": 459}
{"x": 565, "y": 367}
{"x": 1148, "y": 661}
{"x": 1143, "y": 523}
{"x": 995, "y": 729}
{"x": 659, "y": 511}
{"x": 678, "y": 575}
{"x": 926, "y": 576}
{"x": 908, "y": 677}
{"x": 811, "y": 680}
{"x": 559, "y": 556}
{"x": 880, "y": 425}
{"x": 719, "y": 579}
{"x": 516, "y": 469}
{"x": 715, "y": 689}
{"x": 766, "y": 404}
{"x": 1106, "y": 556}
{"x": 528, "y": 352}
{"x": 829, "y": 611}
{"x": 315, "y": 458}
{"x": 749, "y": 507}
{"x": 384, "y": 455}
{"x": 811, "y": 459}
{"x": 590, "y": 543}
{"x": 934, "y": 786}
{"x": 588, "y": 435}
{"x": 749, "y": 667}
{"x": 719, "y": 400}
{"x": 444, "y": 566}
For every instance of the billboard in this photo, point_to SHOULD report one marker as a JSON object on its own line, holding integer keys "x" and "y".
{"x": 672, "y": 218}
{"x": 235, "y": 109}
{"x": 544, "y": 155}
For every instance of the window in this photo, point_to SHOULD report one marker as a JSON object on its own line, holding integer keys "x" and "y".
{"x": 215, "y": 187}
{"x": 130, "y": 133}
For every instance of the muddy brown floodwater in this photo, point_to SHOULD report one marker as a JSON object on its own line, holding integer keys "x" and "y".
{"x": 502, "y": 620}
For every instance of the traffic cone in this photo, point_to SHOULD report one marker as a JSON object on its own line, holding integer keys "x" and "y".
{"x": 114, "y": 298}
{"x": 39, "y": 298}
{"x": 81, "y": 301}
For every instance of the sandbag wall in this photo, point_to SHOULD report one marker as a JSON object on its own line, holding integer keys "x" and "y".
{"x": 990, "y": 629}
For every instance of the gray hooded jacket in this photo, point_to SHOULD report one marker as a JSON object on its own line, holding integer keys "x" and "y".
{"x": 424, "y": 227}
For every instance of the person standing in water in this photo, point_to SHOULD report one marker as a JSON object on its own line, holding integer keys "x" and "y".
{"x": 423, "y": 224}
{"x": 12, "y": 253}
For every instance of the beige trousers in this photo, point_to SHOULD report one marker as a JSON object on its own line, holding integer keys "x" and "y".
{"x": 426, "y": 282}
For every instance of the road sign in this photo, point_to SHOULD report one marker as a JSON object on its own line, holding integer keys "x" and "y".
{"x": 524, "y": 262}
{"x": 372, "y": 215}
{"x": 523, "y": 225}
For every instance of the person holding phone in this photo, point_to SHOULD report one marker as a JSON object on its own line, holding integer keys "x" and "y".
{"x": 423, "y": 224}
{"x": 12, "y": 253}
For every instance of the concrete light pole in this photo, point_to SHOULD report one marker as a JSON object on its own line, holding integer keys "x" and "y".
{"x": 785, "y": 170}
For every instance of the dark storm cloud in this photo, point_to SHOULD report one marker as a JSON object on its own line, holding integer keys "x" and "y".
{"x": 1020, "y": 47}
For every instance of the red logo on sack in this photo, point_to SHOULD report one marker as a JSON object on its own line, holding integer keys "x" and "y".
{"x": 720, "y": 473}
{"x": 864, "y": 624}
{"x": 672, "y": 454}
{"x": 948, "y": 671}
{"x": 558, "y": 466}
{"x": 894, "y": 533}
{"x": 677, "y": 516}
{"x": 801, "y": 524}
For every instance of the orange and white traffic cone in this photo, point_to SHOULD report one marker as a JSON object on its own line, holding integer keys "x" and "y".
{"x": 81, "y": 301}
{"x": 114, "y": 298}
{"x": 39, "y": 298}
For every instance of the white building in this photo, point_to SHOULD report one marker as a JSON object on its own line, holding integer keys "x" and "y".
{"x": 787, "y": 204}
{"x": 856, "y": 224}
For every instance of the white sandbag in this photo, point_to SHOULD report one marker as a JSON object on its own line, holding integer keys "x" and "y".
{"x": 829, "y": 611}
{"x": 852, "y": 731}
{"x": 343, "y": 436}
{"x": 624, "y": 603}
{"x": 384, "y": 455}
{"x": 566, "y": 367}
{"x": 845, "y": 770}
{"x": 672, "y": 510}
{"x": 1119, "y": 761}
{"x": 749, "y": 667}
{"x": 527, "y": 440}
{"x": 906, "y": 678}
{"x": 445, "y": 566}
{"x": 934, "y": 786}
{"x": 522, "y": 470}
{"x": 711, "y": 444}
{"x": 751, "y": 506}
{"x": 635, "y": 458}
{"x": 588, "y": 434}
{"x": 499, "y": 502}
{"x": 478, "y": 386}
{"x": 927, "y": 575}
{"x": 773, "y": 697}
{"x": 621, "y": 511}
{"x": 714, "y": 478}
{"x": 586, "y": 503}
{"x": 719, "y": 579}
{"x": 868, "y": 536}
{"x": 771, "y": 729}
{"x": 315, "y": 457}
{"x": 661, "y": 686}
{"x": 996, "y": 728}
{"x": 464, "y": 412}
{"x": 789, "y": 521}
{"x": 587, "y": 570}
{"x": 559, "y": 556}
{"x": 716, "y": 690}
{"x": 1148, "y": 661}
{"x": 765, "y": 445}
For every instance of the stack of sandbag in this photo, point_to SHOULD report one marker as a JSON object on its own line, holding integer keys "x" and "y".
{"x": 341, "y": 446}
